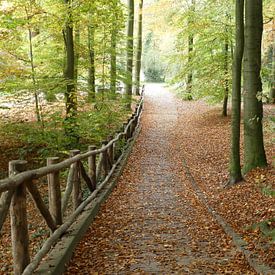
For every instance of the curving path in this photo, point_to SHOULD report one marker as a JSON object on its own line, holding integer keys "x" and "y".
{"x": 154, "y": 223}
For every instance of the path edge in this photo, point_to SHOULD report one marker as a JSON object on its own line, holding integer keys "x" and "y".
{"x": 257, "y": 265}
{"x": 62, "y": 252}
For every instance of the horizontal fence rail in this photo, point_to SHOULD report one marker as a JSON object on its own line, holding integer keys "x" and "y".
{"x": 100, "y": 165}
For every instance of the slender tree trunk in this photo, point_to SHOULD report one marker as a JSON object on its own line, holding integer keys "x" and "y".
{"x": 114, "y": 32}
{"x": 130, "y": 52}
{"x": 91, "y": 71}
{"x": 69, "y": 74}
{"x": 104, "y": 57}
{"x": 190, "y": 52}
{"x": 37, "y": 111}
{"x": 76, "y": 50}
{"x": 226, "y": 88}
{"x": 272, "y": 88}
{"x": 235, "y": 164}
{"x": 190, "y": 74}
{"x": 113, "y": 70}
{"x": 253, "y": 108}
{"x": 139, "y": 48}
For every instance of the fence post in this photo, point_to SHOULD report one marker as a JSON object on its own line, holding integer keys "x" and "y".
{"x": 19, "y": 223}
{"x": 125, "y": 135}
{"x": 92, "y": 165}
{"x": 54, "y": 193}
{"x": 111, "y": 152}
{"x": 132, "y": 127}
{"x": 77, "y": 194}
{"x": 5, "y": 201}
{"x": 105, "y": 163}
{"x": 129, "y": 128}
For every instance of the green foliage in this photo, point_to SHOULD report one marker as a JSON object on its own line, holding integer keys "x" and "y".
{"x": 207, "y": 59}
{"x": 153, "y": 66}
{"x": 32, "y": 63}
{"x": 42, "y": 140}
{"x": 267, "y": 228}
{"x": 268, "y": 191}
{"x": 106, "y": 119}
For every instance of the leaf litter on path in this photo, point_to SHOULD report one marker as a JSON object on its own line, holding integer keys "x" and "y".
{"x": 154, "y": 222}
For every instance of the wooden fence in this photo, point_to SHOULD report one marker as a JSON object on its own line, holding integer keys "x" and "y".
{"x": 101, "y": 164}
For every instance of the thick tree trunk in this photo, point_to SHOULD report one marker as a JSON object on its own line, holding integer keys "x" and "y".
{"x": 226, "y": 88}
{"x": 69, "y": 74}
{"x": 91, "y": 71}
{"x": 253, "y": 108}
{"x": 235, "y": 165}
{"x": 272, "y": 88}
{"x": 130, "y": 52}
{"x": 139, "y": 48}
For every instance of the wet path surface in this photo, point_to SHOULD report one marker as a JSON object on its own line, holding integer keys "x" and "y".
{"x": 154, "y": 223}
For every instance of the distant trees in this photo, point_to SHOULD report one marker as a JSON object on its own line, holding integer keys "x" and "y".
{"x": 153, "y": 66}
{"x": 68, "y": 47}
{"x": 203, "y": 50}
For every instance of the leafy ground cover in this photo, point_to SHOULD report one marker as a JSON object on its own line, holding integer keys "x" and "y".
{"x": 155, "y": 223}
{"x": 23, "y": 138}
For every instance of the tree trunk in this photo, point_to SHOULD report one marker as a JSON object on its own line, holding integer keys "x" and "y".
{"x": 37, "y": 111}
{"x": 113, "y": 61}
{"x": 69, "y": 74}
{"x": 130, "y": 51}
{"x": 272, "y": 88}
{"x": 76, "y": 51}
{"x": 91, "y": 71}
{"x": 139, "y": 48}
{"x": 253, "y": 108}
{"x": 114, "y": 32}
{"x": 190, "y": 51}
{"x": 226, "y": 88}
{"x": 235, "y": 164}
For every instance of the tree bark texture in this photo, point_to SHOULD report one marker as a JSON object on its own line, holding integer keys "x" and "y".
{"x": 130, "y": 51}
{"x": 69, "y": 74}
{"x": 139, "y": 48}
{"x": 19, "y": 223}
{"x": 254, "y": 153}
{"x": 226, "y": 88}
{"x": 235, "y": 164}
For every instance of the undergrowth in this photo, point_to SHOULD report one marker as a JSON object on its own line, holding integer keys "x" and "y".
{"x": 38, "y": 140}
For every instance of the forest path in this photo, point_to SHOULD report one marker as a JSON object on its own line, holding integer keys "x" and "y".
{"x": 154, "y": 222}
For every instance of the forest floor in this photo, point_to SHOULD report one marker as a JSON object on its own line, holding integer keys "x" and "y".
{"x": 156, "y": 220}
{"x": 162, "y": 216}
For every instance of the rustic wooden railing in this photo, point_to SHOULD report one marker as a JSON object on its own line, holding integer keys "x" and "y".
{"x": 101, "y": 164}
